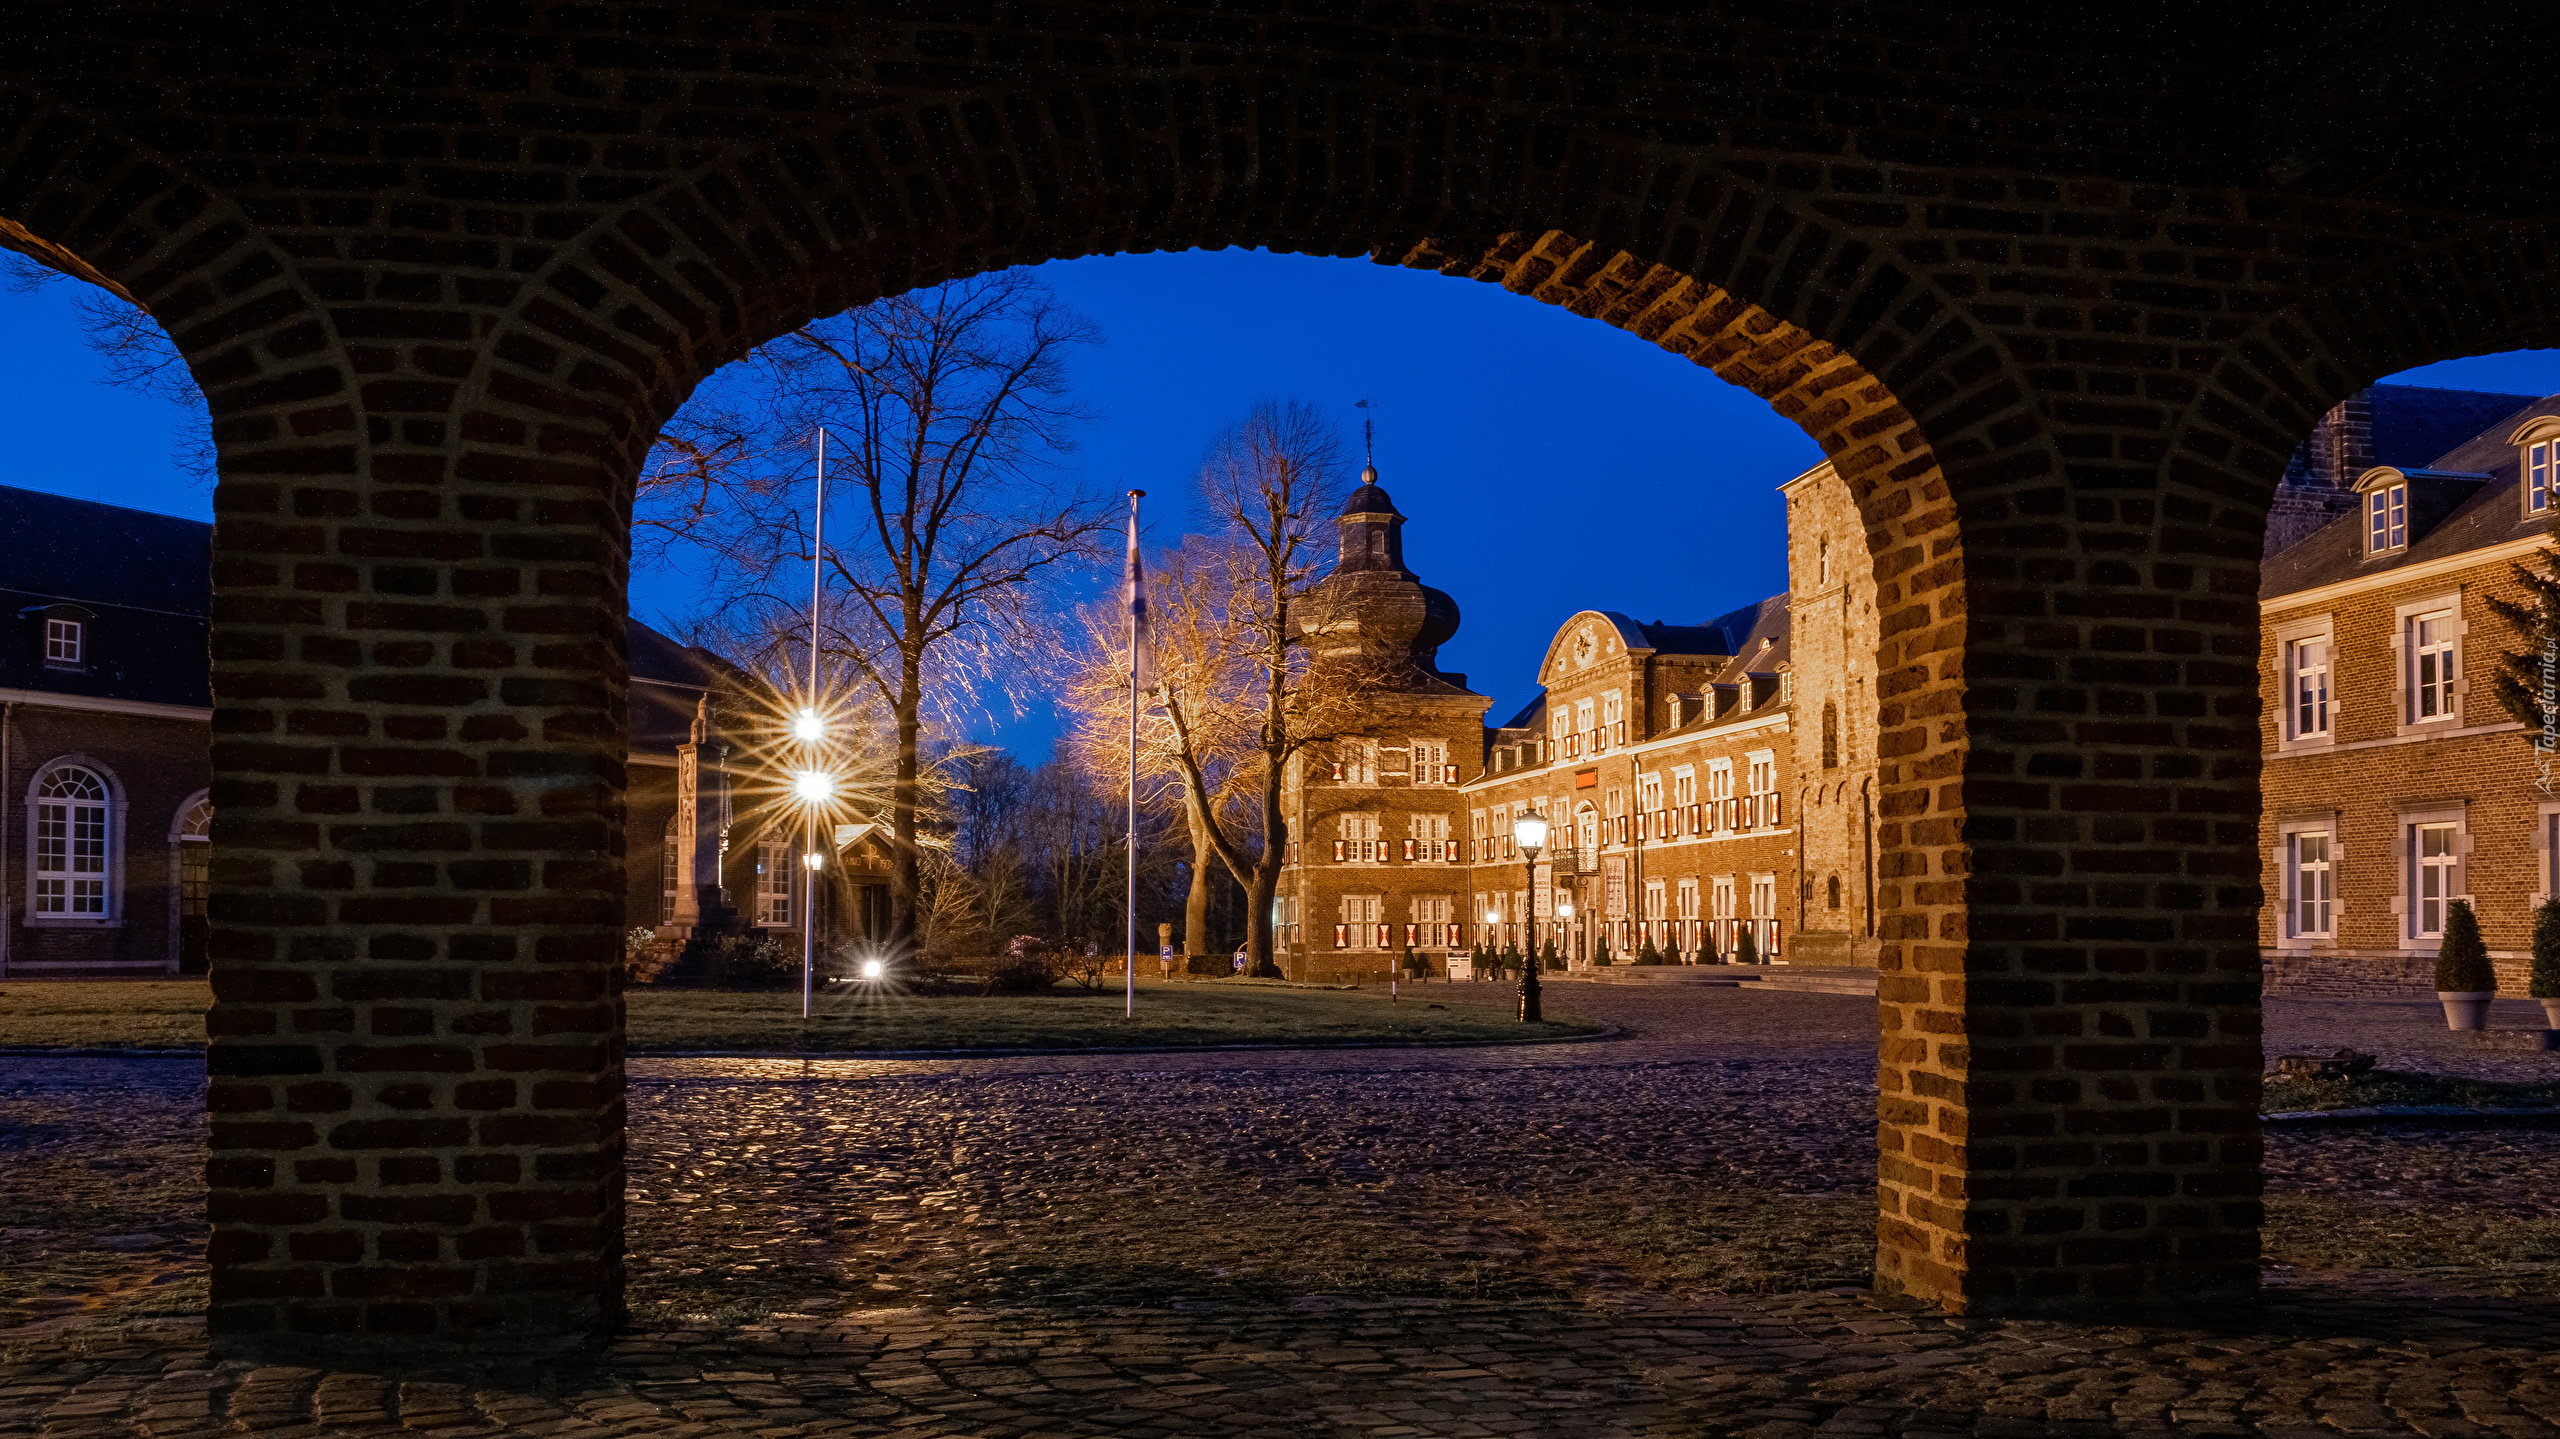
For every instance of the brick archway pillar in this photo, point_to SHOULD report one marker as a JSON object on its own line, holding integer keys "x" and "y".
{"x": 416, "y": 1062}
{"x": 2069, "y": 1070}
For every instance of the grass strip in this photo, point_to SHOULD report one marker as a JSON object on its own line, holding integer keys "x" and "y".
{"x": 170, "y": 1014}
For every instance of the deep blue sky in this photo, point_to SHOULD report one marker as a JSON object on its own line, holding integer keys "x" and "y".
{"x": 1549, "y": 464}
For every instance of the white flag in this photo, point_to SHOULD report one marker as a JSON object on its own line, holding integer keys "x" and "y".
{"x": 1142, "y": 649}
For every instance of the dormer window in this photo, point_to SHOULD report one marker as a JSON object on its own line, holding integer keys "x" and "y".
{"x": 2387, "y": 518}
{"x": 65, "y": 643}
{"x": 2537, "y": 443}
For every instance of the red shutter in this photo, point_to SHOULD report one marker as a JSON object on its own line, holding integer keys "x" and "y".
{"x": 1337, "y": 851}
{"x": 1773, "y": 939}
{"x": 1408, "y": 849}
{"x": 1621, "y": 736}
{"x": 1773, "y": 810}
{"x": 1693, "y": 819}
{"x": 1448, "y": 774}
{"x": 1342, "y": 936}
{"x": 1337, "y": 769}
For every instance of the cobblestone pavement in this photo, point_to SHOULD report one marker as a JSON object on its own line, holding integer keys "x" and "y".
{"x": 1656, "y": 1235}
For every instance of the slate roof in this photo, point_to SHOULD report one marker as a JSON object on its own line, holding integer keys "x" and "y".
{"x": 2414, "y": 424}
{"x": 2489, "y": 516}
{"x": 144, "y": 581}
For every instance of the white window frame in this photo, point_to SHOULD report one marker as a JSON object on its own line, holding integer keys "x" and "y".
{"x": 2386, "y": 518}
{"x": 2290, "y": 637}
{"x": 2290, "y": 837}
{"x": 66, "y": 642}
{"x": 2405, "y": 659}
{"x": 1684, "y": 786}
{"x": 1719, "y": 779}
{"x": 2546, "y": 855}
{"x": 2537, "y": 443}
{"x": 2453, "y": 867}
{"x": 773, "y": 888}
{"x": 112, "y": 810}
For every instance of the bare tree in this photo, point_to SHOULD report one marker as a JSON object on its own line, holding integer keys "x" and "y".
{"x": 1198, "y": 653}
{"x": 946, "y": 410}
{"x": 137, "y": 353}
{"x": 1243, "y": 699}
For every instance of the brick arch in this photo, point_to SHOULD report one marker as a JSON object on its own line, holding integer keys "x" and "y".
{"x": 418, "y": 618}
{"x": 2479, "y": 292}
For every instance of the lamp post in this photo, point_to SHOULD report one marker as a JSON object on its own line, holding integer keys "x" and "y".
{"x": 1529, "y": 831}
{"x": 815, "y": 787}
{"x": 1564, "y": 928}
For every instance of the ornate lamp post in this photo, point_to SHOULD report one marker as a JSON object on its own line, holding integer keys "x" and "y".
{"x": 1529, "y": 831}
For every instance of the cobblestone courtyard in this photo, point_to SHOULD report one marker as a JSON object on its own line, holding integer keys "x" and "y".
{"x": 1660, "y": 1234}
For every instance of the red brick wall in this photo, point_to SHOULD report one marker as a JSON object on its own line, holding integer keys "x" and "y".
{"x": 157, "y": 766}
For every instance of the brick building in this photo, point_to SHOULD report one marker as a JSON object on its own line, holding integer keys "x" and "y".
{"x": 2394, "y": 784}
{"x": 105, "y": 720}
{"x": 1686, "y": 800}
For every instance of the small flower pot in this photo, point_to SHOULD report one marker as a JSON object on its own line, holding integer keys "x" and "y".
{"x": 2466, "y": 1008}
{"x": 2551, "y": 1014}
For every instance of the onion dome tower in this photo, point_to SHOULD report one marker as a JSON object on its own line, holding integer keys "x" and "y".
{"x": 1372, "y": 609}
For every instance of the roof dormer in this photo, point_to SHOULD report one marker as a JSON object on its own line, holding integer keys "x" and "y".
{"x": 2401, "y": 504}
{"x": 2537, "y": 443}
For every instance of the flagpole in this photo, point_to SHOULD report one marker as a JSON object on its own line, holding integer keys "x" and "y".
{"x": 1137, "y": 601}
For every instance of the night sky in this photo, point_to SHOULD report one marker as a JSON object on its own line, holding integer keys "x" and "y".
{"x": 1549, "y": 464}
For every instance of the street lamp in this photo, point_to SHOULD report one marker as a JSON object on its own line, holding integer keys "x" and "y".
{"x": 1529, "y": 831}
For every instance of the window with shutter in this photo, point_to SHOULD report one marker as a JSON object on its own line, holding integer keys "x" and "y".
{"x": 1339, "y": 846}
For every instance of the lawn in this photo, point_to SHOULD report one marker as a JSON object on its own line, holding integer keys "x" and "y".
{"x": 169, "y": 1014}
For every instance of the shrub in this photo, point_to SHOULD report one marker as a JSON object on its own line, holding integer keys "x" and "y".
{"x": 2546, "y": 951}
{"x": 1555, "y": 960}
{"x": 1648, "y": 956}
{"x": 1600, "y": 953}
{"x": 1707, "y": 948}
{"x": 636, "y": 940}
{"x": 1030, "y": 964}
{"x": 752, "y": 959}
{"x": 1746, "y": 950}
{"x": 2462, "y": 961}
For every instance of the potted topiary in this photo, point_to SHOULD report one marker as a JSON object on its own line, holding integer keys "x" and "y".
{"x": 2546, "y": 961}
{"x": 2465, "y": 982}
{"x": 1707, "y": 947}
{"x": 1555, "y": 961}
{"x": 1600, "y": 956}
{"x": 1746, "y": 950}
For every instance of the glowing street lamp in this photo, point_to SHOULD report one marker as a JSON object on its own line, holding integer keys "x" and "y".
{"x": 808, "y": 728}
{"x": 1529, "y": 831}
{"x": 814, "y": 786}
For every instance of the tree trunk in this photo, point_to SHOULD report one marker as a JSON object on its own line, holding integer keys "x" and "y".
{"x": 1204, "y": 858}
{"x": 906, "y": 870}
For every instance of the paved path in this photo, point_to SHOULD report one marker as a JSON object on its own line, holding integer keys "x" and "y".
{"x": 1659, "y": 1235}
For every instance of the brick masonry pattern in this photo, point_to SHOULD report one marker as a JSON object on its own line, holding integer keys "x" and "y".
{"x": 2052, "y": 320}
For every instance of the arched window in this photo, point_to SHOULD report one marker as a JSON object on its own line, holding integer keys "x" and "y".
{"x": 1830, "y": 735}
{"x": 72, "y": 853}
{"x": 1835, "y": 891}
{"x": 190, "y": 837}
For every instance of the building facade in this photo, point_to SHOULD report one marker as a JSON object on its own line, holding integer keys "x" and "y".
{"x": 1700, "y": 786}
{"x": 105, "y": 724}
{"x": 2394, "y": 781}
